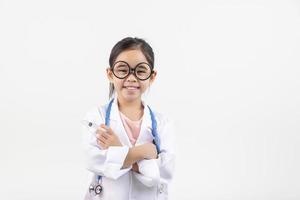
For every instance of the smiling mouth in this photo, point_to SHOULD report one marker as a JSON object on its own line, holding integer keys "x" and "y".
{"x": 131, "y": 88}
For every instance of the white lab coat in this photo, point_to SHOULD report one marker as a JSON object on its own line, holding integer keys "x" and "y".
{"x": 124, "y": 184}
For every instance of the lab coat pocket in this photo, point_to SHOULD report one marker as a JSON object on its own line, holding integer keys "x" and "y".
{"x": 162, "y": 191}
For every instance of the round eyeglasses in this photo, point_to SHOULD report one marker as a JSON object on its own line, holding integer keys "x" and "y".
{"x": 141, "y": 71}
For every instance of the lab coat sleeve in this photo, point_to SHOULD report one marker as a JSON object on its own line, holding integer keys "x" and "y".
{"x": 148, "y": 172}
{"x": 102, "y": 162}
{"x": 166, "y": 158}
{"x": 154, "y": 170}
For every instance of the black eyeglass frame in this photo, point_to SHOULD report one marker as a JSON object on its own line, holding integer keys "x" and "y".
{"x": 132, "y": 70}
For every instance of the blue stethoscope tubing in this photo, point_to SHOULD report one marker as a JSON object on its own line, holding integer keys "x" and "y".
{"x": 154, "y": 132}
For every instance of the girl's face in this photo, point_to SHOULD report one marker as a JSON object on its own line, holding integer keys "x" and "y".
{"x": 130, "y": 88}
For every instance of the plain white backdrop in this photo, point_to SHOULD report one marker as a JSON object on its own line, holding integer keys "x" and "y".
{"x": 228, "y": 74}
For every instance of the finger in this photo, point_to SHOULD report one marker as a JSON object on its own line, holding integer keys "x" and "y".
{"x": 102, "y": 144}
{"x": 104, "y": 126}
{"x": 106, "y": 136}
{"x": 110, "y": 131}
{"x": 100, "y": 137}
{"x": 102, "y": 140}
{"x": 107, "y": 128}
{"x": 100, "y": 133}
{"x": 101, "y": 130}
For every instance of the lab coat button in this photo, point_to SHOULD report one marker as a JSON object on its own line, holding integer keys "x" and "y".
{"x": 90, "y": 124}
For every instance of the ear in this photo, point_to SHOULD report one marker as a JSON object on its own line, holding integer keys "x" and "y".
{"x": 153, "y": 76}
{"x": 109, "y": 74}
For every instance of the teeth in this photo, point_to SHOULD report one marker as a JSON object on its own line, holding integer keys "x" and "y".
{"x": 131, "y": 88}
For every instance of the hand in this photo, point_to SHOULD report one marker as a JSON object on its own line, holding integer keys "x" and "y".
{"x": 135, "y": 168}
{"x": 106, "y": 137}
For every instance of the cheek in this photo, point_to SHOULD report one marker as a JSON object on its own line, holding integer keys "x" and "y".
{"x": 144, "y": 86}
{"x": 118, "y": 84}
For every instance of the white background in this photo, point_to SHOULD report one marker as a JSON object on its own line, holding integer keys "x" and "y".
{"x": 228, "y": 74}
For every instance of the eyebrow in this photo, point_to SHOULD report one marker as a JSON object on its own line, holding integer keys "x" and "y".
{"x": 121, "y": 64}
{"x": 141, "y": 66}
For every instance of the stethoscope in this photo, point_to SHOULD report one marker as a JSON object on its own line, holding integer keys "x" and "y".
{"x": 98, "y": 188}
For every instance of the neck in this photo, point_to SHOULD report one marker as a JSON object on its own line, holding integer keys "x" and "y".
{"x": 129, "y": 105}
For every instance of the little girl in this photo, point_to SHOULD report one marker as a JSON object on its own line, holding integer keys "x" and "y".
{"x": 128, "y": 145}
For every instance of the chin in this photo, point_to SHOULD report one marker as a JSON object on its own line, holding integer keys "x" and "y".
{"x": 131, "y": 97}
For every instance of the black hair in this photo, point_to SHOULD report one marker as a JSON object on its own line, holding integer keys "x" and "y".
{"x": 127, "y": 44}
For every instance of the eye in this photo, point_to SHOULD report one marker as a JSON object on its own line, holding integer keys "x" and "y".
{"x": 122, "y": 70}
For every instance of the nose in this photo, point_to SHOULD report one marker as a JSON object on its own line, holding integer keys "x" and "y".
{"x": 131, "y": 76}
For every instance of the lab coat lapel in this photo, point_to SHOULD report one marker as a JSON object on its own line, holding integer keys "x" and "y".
{"x": 117, "y": 125}
{"x": 146, "y": 127}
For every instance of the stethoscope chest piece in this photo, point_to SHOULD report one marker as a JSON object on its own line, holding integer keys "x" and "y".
{"x": 98, "y": 189}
